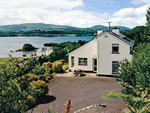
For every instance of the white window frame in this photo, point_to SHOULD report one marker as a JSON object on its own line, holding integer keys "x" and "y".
{"x": 82, "y": 61}
{"x": 114, "y": 62}
{"x": 115, "y": 45}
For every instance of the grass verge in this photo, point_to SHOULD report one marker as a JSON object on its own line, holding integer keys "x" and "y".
{"x": 4, "y": 60}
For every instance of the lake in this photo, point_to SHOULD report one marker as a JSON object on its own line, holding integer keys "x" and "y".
{"x": 14, "y": 43}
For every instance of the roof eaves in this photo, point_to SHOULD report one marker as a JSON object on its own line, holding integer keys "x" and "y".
{"x": 79, "y": 47}
{"x": 121, "y": 38}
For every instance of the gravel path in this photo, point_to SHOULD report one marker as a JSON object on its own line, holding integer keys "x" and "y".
{"x": 83, "y": 92}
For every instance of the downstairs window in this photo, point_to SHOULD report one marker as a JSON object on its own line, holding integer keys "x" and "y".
{"x": 82, "y": 61}
{"x": 114, "y": 67}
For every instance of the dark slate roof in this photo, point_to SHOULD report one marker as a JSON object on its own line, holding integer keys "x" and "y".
{"x": 122, "y": 37}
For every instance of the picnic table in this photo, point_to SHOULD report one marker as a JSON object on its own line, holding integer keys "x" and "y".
{"x": 78, "y": 72}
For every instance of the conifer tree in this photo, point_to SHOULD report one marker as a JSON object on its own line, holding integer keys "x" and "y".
{"x": 148, "y": 17}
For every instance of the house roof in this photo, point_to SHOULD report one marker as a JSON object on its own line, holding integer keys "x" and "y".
{"x": 121, "y": 37}
{"x": 80, "y": 47}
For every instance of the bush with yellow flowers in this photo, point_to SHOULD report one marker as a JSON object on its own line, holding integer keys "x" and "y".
{"x": 57, "y": 67}
{"x": 38, "y": 88}
{"x": 26, "y": 79}
{"x": 48, "y": 67}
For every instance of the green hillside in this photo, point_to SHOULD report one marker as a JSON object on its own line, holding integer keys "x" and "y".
{"x": 42, "y": 26}
{"x": 32, "y": 26}
{"x": 121, "y": 28}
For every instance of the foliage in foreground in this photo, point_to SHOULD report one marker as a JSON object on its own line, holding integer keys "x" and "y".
{"x": 14, "y": 94}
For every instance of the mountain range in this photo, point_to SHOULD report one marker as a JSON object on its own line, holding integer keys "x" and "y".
{"x": 42, "y": 26}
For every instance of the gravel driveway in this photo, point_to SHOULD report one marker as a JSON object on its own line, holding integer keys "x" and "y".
{"x": 83, "y": 92}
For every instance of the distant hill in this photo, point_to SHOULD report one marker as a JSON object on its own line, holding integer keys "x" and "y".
{"x": 33, "y": 26}
{"x": 42, "y": 26}
{"x": 106, "y": 28}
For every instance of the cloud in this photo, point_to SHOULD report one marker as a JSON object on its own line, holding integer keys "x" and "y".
{"x": 64, "y": 4}
{"x": 135, "y": 1}
{"x": 104, "y": 15}
{"x": 62, "y": 12}
{"x": 112, "y": 2}
{"x": 128, "y": 22}
{"x": 35, "y": 15}
{"x": 126, "y": 12}
{"x": 132, "y": 12}
{"x": 130, "y": 17}
{"x": 140, "y": 1}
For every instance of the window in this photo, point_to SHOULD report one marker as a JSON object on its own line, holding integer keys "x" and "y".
{"x": 131, "y": 50}
{"x": 82, "y": 61}
{"x": 114, "y": 67}
{"x": 115, "y": 48}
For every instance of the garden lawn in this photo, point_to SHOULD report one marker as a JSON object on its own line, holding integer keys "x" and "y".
{"x": 4, "y": 60}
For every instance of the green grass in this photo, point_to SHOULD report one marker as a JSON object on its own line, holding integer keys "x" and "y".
{"x": 4, "y": 60}
{"x": 126, "y": 110}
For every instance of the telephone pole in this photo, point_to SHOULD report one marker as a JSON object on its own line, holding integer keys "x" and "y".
{"x": 109, "y": 25}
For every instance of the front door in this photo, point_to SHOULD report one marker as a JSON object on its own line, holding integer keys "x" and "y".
{"x": 95, "y": 65}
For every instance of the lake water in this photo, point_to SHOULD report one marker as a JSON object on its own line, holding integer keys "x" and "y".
{"x": 14, "y": 43}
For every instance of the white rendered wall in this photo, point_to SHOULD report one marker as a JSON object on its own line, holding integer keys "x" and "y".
{"x": 105, "y": 53}
{"x": 88, "y": 51}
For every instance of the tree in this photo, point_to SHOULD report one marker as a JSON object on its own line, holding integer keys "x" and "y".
{"x": 146, "y": 35}
{"x": 148, "y": 17}
{"x": 28, "y": 47}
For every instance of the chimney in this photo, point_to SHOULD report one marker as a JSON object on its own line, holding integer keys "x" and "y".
{"x": 115, "y": 30}
{"x": 99, "y": 31}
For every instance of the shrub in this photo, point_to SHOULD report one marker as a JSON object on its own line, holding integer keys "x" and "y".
{"x": 49, "y": 70}
{"x": 41, "y": 70}
{"x": 48, "y": 67}
{"x": 57, "y": 67}
{"x": 47, "y": 64}
{"x": 26, "y": 79}
{"x": 38, "y": 88}
{"x": 38, "y": 70}
{"x": 42, "y": 77}
{"x": 47, "y": 76}
{"x": 65, "y": 67}
{"x": 30, "y": 77}
{"x": 30, "y": 100}
{"x": 62, "y": 61}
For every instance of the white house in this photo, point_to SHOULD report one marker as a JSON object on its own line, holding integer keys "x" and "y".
{"x": 102, "y": 53}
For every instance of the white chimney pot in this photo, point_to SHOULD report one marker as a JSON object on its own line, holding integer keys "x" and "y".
{"x": 99, "y": 31}
{"x": 116, "y": 31}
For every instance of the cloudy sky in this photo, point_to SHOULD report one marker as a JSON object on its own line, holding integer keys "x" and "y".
{"x": 78, "y": 13}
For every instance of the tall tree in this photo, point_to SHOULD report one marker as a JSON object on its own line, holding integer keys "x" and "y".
{"x": 148, "y": 17}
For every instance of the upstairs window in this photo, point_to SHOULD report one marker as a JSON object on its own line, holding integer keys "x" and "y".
{"x": 115, "y": 48}
{"x": 82, "y": 61}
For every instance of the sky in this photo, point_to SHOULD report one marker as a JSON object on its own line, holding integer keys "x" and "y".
{"x": 77, "y": 13}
